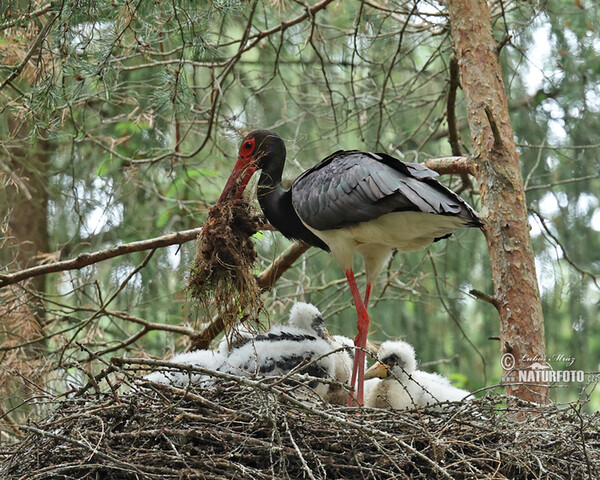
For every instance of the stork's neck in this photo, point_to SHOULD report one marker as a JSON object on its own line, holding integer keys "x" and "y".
{"x": 271, "y": 171}
{"x": 276, "y": 202}
{"x": 271, "y": 194}
{"x": 272, "y": 200}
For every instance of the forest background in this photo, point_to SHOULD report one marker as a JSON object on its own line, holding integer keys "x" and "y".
{"x": 121, "y": 120}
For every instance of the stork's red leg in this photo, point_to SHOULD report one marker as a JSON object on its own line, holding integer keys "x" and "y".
{"x": 361, "y": 339}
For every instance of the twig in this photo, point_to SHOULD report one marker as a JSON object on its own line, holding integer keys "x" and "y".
{"x": 503, "y": 42}
{"x": 85, "y": 446}
{"x": 297, "y": 403}
{"x": 153, "y": 325}
{"x": 305, "y": 466}
{"x": 563, "y": 182}
{"x": 484, "y": 296}
{"x": 23, "y": 19}
{"x": 280, "y": 265}
{"x": 16, "y": 71}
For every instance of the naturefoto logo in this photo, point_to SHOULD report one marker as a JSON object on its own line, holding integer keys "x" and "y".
{"x": 538, "y": 370}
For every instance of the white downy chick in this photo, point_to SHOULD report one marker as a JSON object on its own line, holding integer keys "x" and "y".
{"x": 396, "y": 361}
{"x": 287, "y": 347}
{"x": 402, "y": 385}
{"x": 202, "y": 358}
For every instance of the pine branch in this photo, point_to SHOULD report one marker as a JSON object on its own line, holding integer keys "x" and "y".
{"x": 16, "y": 71}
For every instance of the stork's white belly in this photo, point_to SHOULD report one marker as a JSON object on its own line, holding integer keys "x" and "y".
{"x": 375, "y": 239}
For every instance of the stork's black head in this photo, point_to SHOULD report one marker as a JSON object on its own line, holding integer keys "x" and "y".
{"x": 262, "y": 147}
{"x": 260, "y": 150}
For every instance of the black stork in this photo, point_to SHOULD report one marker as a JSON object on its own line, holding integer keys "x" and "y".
{"x": 351, "y": 202}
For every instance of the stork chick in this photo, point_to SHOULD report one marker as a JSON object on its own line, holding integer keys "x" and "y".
{"x": 403, "y": 386}
{"x": 284, "y": 348}
{"x": 202, "y": 358}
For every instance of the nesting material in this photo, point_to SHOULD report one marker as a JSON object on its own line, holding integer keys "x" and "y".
{"x": 235, "y": 430}
{"x": 222, "y": 278}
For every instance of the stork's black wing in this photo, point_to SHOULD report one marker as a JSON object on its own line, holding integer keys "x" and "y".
{"x": 351, "y": 186}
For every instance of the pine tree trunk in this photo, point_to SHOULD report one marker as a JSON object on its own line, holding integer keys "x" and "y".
{"x": 504, "y": 209}
{"x": 26, "y": 217}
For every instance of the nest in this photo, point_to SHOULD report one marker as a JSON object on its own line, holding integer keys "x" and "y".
{"x": 256, "y": 429}
{"x": 222, "y": 276}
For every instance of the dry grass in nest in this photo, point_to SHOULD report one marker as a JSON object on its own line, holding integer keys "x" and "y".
{"x": 221, "y": 277}
{"x": 243, "y": 428}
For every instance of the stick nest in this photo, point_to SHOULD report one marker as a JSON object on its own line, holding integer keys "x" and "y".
{"x": 257, "y": 430}
{"x": 222, "y": 276}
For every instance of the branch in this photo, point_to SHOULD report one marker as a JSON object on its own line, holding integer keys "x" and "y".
{"x": 152, "y": 325}
{"x": 453, "y": 137}
{"x": 566, "y": 256}
{"x": 86, "y": 259}
{"x": 23, "y": 19}
{"x": 444, "y": 165}
{"x": 309, "y": 13}
{"x": 450, "y": 107}
{"x": 282, "y": 263}
{"x": 503, "y": 42}
{"x": 562, "y": 182}
{"x": 526, "y": 101}
{"x": 486, "y": 297}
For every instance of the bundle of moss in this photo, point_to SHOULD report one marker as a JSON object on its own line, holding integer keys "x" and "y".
{"x": 256, "y": 429}
{"x": 221, "y": 277}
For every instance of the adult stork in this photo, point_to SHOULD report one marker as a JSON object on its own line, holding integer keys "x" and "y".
{"x": 351, "y": 202}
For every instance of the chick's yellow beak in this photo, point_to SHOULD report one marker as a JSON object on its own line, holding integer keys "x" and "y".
{"x": 377, "y": 370}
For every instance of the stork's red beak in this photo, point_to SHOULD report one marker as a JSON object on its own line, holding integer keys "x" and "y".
{"x": 244, "y": 168}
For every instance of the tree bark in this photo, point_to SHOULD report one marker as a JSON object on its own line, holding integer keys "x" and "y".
{"x": 504, "y": 209}
{"x": 27, "y": 203}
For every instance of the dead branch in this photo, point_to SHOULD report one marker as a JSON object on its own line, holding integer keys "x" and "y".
{"x": 16, "y": 70}
{"x": 451, "y": 107}
{"x": 448, "y": 165}
{"x": 453, "y": 137}
{"x": 86, "y": 259}
{"x": 486, "y": 297}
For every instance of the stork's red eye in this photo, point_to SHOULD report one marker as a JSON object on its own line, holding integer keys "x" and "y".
{"x": 247, "y": 147}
